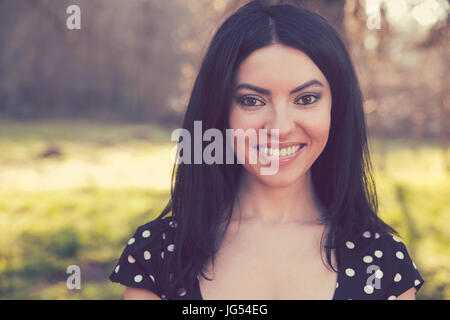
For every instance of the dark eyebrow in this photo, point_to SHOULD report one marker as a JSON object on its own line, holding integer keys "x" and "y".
{"x": 267, "y": 92}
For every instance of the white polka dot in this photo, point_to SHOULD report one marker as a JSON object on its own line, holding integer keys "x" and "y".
{"x": 378, "y": 253}
{"x": 163, "y": 297}
{"x": 171, "y": 247}
{"x": 415, "y": 267}
{"x": 171, "y": 277}
{"x": 337, "y": 285}
{"x": 417, "y": 282}
{"x": 162, "y": 255}
{"x": 131, "y": 259}
{"x": 399, "y": 255}
{"x": 146, "y": 234}
{"x": 164, "y": 236}
{"x": 350, "y": 272}
{"x": 368, "y": 289}
{"x": 350, "y": 244}
{"x": 173, "y": 224}
{"x": 117, "y": 268}
{"x": 367, "y": 234}
{"x": 398, "y": 277}
{"x": 395, "y": 238}
{"x": 377, "y": 235}
{"x": 147, "y": 255}
{"x": 367, "y": 259}
{"x": 131, "y": 241}
{"x": 379, "y": 274}
{"x": 392, "y": 298}
{"x": 152, "y": 277}
{"x": 182, "y": 292}
{"x": 138, "y": 278}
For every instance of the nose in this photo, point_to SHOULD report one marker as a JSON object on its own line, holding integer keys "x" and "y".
{"x": 280, "y": 119}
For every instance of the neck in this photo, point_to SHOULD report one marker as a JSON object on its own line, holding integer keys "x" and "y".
{"x": 295, "y": 203}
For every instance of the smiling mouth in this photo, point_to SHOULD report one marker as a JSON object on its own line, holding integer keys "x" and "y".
{"x": 281, "y": 152}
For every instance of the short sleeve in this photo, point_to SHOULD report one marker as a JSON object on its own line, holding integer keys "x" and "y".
{"x": 139, "y": 265}
{"x": 403, "y": 273}
{"x": 375, "y": 266}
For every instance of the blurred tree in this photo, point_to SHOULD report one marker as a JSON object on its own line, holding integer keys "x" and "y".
{"x": 400, "y": 74}
{"x": 332, "y": 10}
{"x": 137, "y": 59}
{"x": 438, "y": 39}
{"x": 120, "y": 65}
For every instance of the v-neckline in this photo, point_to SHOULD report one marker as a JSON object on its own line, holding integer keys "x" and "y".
{"x": 336, "y": 287}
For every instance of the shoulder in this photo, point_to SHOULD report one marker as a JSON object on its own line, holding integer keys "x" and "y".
{"x": 154, "y": 233}
{"x": 384, "y": 265}
{"x": 140, "y": 264}
{"x": 151, "y": 237}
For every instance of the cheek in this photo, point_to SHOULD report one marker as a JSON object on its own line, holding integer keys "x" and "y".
{"x": 247, "y": 123}
{"x": 240, "y": 120}
{"x": 318, "y": 129}
{"x": 321, "y": 127}
{"x": 236, "y": 121}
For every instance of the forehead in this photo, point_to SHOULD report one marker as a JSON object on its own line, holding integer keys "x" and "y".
{"x": 277, "y": 66}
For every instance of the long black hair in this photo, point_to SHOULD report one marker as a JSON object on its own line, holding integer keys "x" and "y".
{"x": 202, "y": 195}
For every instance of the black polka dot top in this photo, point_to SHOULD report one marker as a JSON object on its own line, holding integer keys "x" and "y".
{"x": 380, "y": 270}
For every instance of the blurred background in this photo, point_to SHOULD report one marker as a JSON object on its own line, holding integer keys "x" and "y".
{"x": 86, "y": 117}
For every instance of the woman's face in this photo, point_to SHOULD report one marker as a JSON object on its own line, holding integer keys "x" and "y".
{"x": 280, "y": 87}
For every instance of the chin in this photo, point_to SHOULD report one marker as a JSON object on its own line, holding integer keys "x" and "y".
{"x": 280, "y": 179}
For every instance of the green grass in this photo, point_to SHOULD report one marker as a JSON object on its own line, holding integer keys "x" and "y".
{"x": 43, "y": 232}
{"x": 414, "y": 196}
{"x": 98, "y": 182}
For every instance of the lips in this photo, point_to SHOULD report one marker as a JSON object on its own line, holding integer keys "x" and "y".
{"x": 284, "y": 151}
{"x": 280, "y": 145}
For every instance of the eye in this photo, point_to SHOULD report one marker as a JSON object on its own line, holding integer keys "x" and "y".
{"x": 249, "y": 101}
{"x": 308, "y": 99}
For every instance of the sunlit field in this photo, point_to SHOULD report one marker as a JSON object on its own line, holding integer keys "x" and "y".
{"x": 71, "y": 193}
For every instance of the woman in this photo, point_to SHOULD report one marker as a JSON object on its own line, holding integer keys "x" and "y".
{"x": 235, "y": 233}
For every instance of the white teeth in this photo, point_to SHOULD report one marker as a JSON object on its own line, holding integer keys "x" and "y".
{"x": 280, "y": 152}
